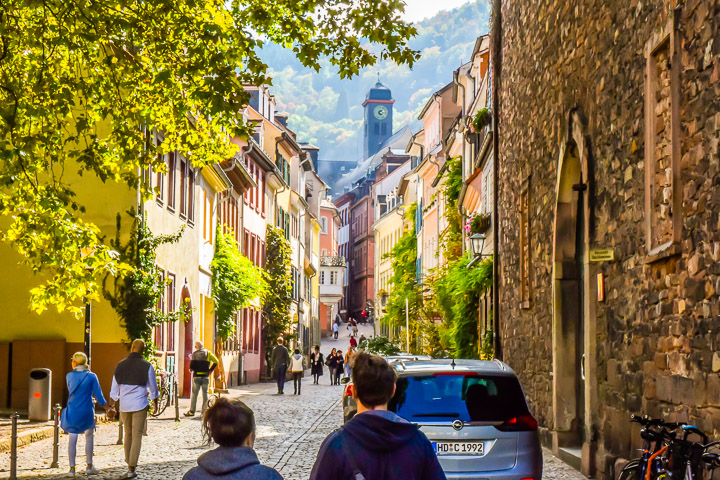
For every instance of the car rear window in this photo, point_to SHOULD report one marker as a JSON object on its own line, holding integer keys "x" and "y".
{"x": 477, "y": 398}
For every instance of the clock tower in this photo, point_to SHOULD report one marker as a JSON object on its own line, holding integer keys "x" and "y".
{"x": 378, "y": 118}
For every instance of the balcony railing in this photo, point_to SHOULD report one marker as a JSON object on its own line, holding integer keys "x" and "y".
{"x": 336, "y": 261}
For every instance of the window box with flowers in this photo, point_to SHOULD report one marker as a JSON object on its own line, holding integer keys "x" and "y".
{"x": 481, "y": 120}
{"x": 478, "y": 223}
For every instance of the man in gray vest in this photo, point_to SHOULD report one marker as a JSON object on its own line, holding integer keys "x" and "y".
{"x": 134, "y": 377}
{"x": 202, "y": 363}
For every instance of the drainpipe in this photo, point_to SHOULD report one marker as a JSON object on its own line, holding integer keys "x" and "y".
{"x": 437, "y": 166}
{"x": 496, "y": 66}
{"x": 457, "y": 82}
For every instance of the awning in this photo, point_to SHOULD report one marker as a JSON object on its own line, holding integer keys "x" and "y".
{"x": 472, "y": 192}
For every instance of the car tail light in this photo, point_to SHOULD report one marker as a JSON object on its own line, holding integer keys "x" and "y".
{"x": 523, "y": 423}
{"x": 348, "y": 390}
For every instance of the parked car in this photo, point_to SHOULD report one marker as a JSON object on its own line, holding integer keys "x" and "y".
{"x": 349, "y": 404}
{"x": 475, "y": 414}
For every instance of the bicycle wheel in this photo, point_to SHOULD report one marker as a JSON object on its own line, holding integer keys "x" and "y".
{"x": 631, "y": 471}
{"x": 163, "y": 400}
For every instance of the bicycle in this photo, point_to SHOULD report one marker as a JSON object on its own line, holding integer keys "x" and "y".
{"x": 654, "y": 433}
{"x": 165, "y": 385}
{"x": 665, "y": 456}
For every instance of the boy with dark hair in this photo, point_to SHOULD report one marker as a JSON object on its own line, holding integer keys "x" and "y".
{"x": 376, "y": 443}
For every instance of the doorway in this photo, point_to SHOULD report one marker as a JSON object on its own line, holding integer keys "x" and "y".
{"x": 570, "y": 298}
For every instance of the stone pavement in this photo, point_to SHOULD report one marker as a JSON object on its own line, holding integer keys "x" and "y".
{"x": 290, "y": 430}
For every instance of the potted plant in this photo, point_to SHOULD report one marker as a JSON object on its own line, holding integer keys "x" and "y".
{"x": 477, "y": 223}
{"x": 481, "y": 120}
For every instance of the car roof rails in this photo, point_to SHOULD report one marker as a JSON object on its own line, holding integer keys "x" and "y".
{"x": 500, "y": 364}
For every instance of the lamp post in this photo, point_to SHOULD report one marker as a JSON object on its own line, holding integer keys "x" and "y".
{"x": 477, "y": 244}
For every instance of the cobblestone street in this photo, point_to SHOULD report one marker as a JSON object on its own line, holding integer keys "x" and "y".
{"x": 290, "y": 430}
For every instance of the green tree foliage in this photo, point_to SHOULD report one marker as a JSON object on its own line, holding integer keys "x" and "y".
{"x": 276, "y": 310}
{"x": 379, "y": 345}
{"x": 458, "y": 295}
{"x": 236, "y": 283}
{"x": 451, "y": 239}
{"x": 404, "y": 281}
{"x": 84, "y": 84}
{"x": 136, "y": 297}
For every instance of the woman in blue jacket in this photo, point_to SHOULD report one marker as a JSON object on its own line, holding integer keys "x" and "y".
{"x": 79, "y": 415}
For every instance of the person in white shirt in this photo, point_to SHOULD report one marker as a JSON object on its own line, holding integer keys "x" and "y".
{"x": 134, "y": 377}
{"x": 297, "y": 366}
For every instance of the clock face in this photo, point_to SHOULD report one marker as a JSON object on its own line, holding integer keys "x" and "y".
{"x": 380, "y": 112}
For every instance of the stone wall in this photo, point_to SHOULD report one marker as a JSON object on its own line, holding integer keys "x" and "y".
{"x": 658, "y": 330}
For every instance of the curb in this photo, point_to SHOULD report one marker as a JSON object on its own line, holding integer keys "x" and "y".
{"x": 27, "y": 438}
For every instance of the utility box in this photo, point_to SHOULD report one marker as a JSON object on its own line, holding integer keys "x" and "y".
{"x": 39, "y": 401}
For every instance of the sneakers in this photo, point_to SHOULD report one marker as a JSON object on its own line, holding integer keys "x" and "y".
{"x": 130, "y": 474}
{"x": 71, "y": 472}
{"x": 91, "y": 470}
{"x": 189, "y": 414}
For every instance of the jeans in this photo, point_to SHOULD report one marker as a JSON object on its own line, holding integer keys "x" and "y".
{"x": 338, "y": 374}
{"x": 336, "y": 334}
{"x": 89, "y": 441}
{"x": 134, "y": 426}
{"x": 297, "y": 381}
{"x": 280, "y": 375}
{"x": 199, "y": 383}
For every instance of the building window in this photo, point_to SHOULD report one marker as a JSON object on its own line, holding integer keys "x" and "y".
{"x": 323, "y": 225}
{"x": 322, "y": 278}
{"x": 324, "y": 252}
{"x": 170, "y": 306}
{"x": 160, "y": 182}
{"x": 171, "y": 180}
{"x": 663, "y": 196}
{"x": 525, "y": 248}
{"x": 333, "y": 278}
{"x": 183, "y": 187}
{"x": 191, "y": 197}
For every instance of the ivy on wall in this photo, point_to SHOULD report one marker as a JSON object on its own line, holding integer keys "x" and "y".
{"x": 276, "y": 309}
{"x": 236, "y": 283}
{"x": 136, "y": 296}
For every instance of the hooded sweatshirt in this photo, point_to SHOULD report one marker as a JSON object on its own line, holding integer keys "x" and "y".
{"x": 231, "y": 463}
{"x": 296, "y": 363}
{"x": 383, "y": 447}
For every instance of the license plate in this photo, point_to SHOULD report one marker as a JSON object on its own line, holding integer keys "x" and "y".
{"x": 459, "y": 448}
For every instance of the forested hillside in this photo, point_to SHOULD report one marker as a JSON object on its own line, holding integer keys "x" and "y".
{"x": 327, "y": 111}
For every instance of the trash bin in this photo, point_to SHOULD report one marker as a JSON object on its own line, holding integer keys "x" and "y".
{"x": 39, "y": 401}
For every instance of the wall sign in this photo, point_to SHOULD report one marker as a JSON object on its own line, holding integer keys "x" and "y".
{"x": 605, "y": 255}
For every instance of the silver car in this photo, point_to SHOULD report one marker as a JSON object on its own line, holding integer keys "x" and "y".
{"x": 475, "y": 414}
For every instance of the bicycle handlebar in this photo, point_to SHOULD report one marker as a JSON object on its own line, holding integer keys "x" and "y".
{"x": 655, "y": 422}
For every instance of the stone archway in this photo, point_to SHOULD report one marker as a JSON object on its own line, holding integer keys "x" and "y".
{"x": 573, "y": 316}
{"x": 188, "y": 347}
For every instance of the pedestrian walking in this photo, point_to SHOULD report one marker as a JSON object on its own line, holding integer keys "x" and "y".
{"x": 134, "y": 378}
{"x": 376, "y": 443}
{"x": 231, "y": 425}
{"x": 331, "y": 362}
{"x": 339, "y": 366}
{"x": 316, "y": 364}
{"x": 336, "y": 327}
{"x": 354, "y": 330}
{"x": 348, "y": 360}
{"x": 280, "y": 359}
{"x": 353, "y": 342}
{"x": 297, "y": 367}
{"x": 78, "y": 417}
{"x": 361, "y": 340}
{"x": 202, "y": 363}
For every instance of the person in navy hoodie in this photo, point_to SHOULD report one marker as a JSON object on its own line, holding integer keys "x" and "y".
{"x": 376, "y": 443}
{"x": 79, "y": 415}
{"x": 231, "y": 425}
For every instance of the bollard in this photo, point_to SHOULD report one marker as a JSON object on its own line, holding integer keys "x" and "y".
{"x": 56, "y": 435}
{"x": 177, "y": 404}
{"x": 13, "y": 446}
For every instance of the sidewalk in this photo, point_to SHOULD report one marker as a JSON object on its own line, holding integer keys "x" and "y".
{"x": 28, "y": 432}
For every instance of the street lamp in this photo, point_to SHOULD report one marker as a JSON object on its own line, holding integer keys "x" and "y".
{"x": 477, "y": 244}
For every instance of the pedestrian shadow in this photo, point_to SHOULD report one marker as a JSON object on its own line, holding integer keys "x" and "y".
{"x": 150, "y": 471}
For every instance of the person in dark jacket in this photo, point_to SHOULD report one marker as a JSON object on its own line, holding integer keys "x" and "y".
{"x": 331, "y": 362}
{"x": 280, "y": 359}
{"x": 230, "y": 424}
{"x": 376, "y": 443}
{"x": 339, "y": 366}
{"x": 316, "y": 364}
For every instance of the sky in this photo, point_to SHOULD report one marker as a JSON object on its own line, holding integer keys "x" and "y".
{"x": 417, "y": 10}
